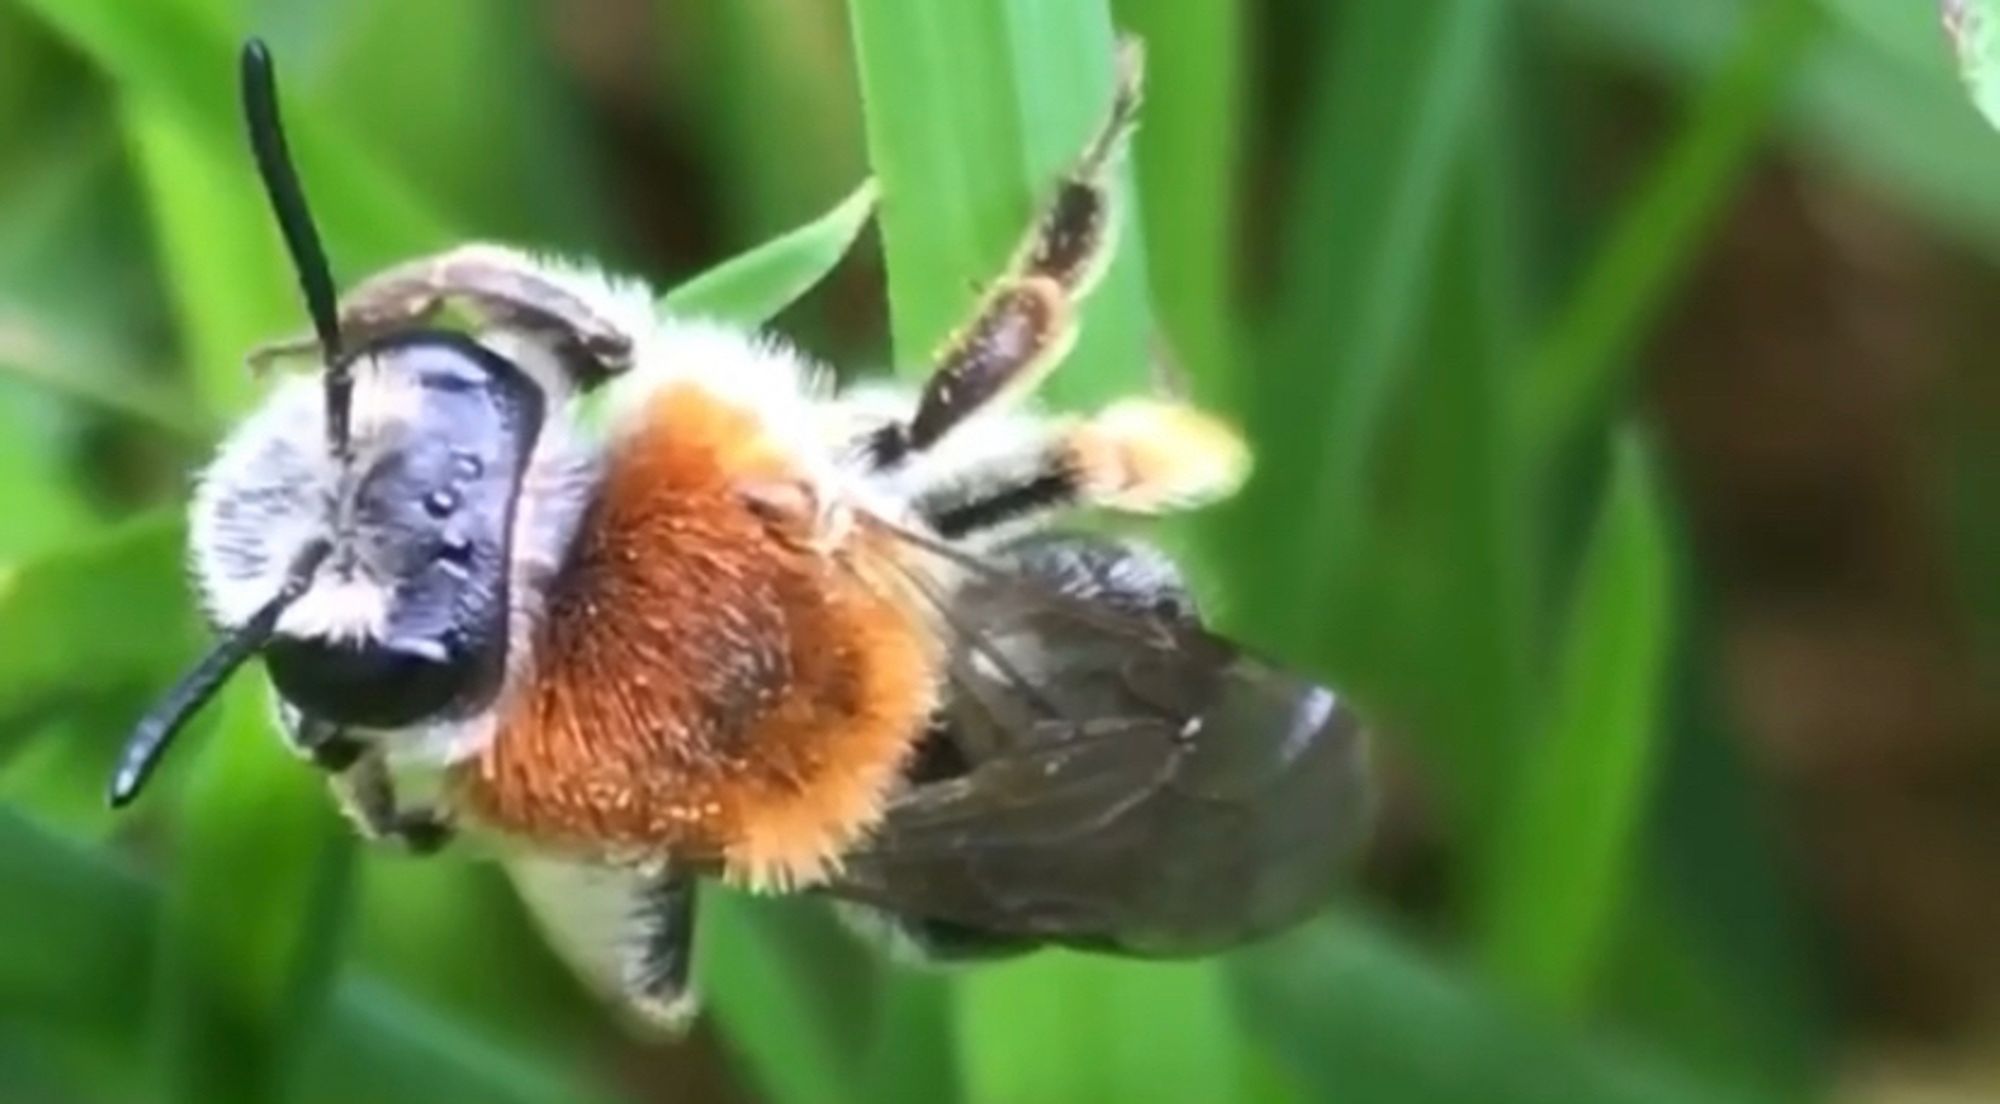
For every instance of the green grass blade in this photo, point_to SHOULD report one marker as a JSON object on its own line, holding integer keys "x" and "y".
{"x": 771, "y": 90}
{"x": 52, "y": 366}
{"x": 751, "y": 288}
{"x": 1189, "y": 154}
{"x": 1359, "y": 1017}
{"x": 71, "y": 969}
{"x": 1885, "y": 107}
{"x": 179, "y": 61}
{"x": 1380, "y": 144}
{"x": 944, "y": 142}
{"x": 379, "y": 1045}
{"x": 229, "y": 284}
{"x": 946, "y": 88}
{"x": 417, "y": 86}
{"x": 1557, "y": 872}
{"x": 1649, "y": 247}
{"x": 80, "y": 955}
{"x": 1060, "y": 1026}
{"x": 58, "y": 613}
{"x": 763, "y": 997}
{"x": 253, "y": 917}
{"x": 1470, "y": 623}
{"x": 914, "y": 1055}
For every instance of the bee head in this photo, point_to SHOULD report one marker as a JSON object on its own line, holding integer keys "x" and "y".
{"x": 392, "y": 605}
{"x": 406, "y": 617}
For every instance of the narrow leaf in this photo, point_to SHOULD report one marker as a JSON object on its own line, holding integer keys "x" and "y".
{"x": 1189, "y": 155}
{"x": 763, "y": 998}
{"x": 101, "y": 611}
{"x": 751, "y": 288}
{"x": 1590, "y": 346}
{"x": 1559, "y": 865}
{"x": 1383, "y": 137}
{"x": 1067, "y": 1027}
{"x": 1358, "y": 1016}
{"x": 178, "y": 60}
{"x": 377, "y": 1044}
{"x": 972, "y": 108}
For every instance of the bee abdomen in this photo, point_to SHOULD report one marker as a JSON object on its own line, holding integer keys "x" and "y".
{"x": 705, "y": 687}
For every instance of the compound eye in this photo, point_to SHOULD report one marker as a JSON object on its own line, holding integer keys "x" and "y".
{"x": 371, "y": 685}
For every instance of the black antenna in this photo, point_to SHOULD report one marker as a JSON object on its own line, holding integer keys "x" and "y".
{"x": 288, "y": 202}
{"x": 155, "y": 732}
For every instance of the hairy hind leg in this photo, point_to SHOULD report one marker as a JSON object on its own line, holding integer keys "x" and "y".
{"x": 1136, "y": 456}
{"x": 1026, "y": 322}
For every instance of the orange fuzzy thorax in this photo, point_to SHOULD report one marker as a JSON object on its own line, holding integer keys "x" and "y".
{"x": 707, "y": 684}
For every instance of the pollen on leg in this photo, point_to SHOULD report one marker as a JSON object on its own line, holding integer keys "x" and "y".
{"x": 1145, "y": 455}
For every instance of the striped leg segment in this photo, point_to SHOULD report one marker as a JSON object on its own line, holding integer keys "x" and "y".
{"x": 1026, "y": 323}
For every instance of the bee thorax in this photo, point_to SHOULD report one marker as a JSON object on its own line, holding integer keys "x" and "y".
{"x": 707, "y": 687}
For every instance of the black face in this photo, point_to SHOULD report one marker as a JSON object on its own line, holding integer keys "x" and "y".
{"x": 434, "y": 512}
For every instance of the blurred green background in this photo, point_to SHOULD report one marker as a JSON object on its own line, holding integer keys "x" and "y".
{"x": 1618, "y": 372}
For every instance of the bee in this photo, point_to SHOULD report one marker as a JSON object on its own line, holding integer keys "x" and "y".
{"x": 646, "y": 601}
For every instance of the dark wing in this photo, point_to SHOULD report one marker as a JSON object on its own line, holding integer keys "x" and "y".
{"x": 1105, "y": 773}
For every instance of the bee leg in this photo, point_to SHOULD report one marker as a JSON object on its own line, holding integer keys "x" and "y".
{"x": 1025, "y": 323}
{"x": 657, "y": 966}
{"x": 367, "y": 794}
{"x": 505, "y": 287}
{"x": 1139, "y": 456}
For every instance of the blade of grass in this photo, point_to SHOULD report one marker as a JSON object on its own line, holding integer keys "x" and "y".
{"x": 1380, "y": 143}
{"x": 1589, "y": 347}
{"x": 178, "y": 60}
{"x": 914, "y": 1054}
{"x": 37, "y": 493}
{"x": 69, "y": 968}
{"x": 1189, "y": 154}
{"x": 418, "y": 82}
{"x": 1896, "y": 119}
{"x": 1718, "y": 957}
{"x": 1359, "y": 1017}
{"x": 254, "y": 915}
{"x": 1060, "y": 1026}
{"x": 946, "y": 87}
{"x": 29, "y": 355}
{"x": 944, "y": 142}
{"x": 1558, "y": 866}
{"x": 67, "y": 617}
{"x": 217, "y": 249}
{"x": 1470, "y": 624}
{"x": 773, "y": 1016}
{"x": 751, "y": 288}
{"x": 742, "y": 66}
{"x": 381, "y": 1045}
